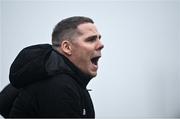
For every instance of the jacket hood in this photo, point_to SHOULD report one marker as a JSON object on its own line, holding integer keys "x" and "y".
{"x": 28, "y": 66}
{"x": 39, "y": 62}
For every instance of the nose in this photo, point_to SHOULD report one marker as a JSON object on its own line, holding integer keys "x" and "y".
{"x": 100, "y": 46}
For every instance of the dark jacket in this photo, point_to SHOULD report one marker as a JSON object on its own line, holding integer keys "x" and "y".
{"x": 51, "y": 86}
{"x": 7, "y": 97}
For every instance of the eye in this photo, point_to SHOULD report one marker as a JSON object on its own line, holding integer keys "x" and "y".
{"x": 91, "y": 39}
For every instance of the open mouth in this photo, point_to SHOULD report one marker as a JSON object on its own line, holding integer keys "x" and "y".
{"x": 94, "y": 60}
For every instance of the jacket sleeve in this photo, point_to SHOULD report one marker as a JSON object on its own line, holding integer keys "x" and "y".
{"x": 23, "y": 105}
{"x": 47, "y": 101}
{"x": 7, "y": 97}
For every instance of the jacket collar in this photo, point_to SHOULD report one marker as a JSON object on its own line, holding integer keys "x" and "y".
{"x": 69, "y": 68}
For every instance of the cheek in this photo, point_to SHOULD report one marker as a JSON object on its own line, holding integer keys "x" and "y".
{"x": 82, "y": 53}
{"x": 83, "y": 57}
{"x": 82, "y": 50}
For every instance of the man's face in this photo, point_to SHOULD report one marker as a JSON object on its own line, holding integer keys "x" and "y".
{"x": 86, "y": 49}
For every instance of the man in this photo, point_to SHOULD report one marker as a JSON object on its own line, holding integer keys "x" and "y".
{"x": 53, "y": 79}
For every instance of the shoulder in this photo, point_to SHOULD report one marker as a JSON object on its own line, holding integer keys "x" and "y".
{"x": 60, "y": 84}
{"x": 58, "y": 81}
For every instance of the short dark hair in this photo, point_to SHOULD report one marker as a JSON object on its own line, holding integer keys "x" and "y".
{"x": 66, "y": 28}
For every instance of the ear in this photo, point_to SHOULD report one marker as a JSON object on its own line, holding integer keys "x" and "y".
{"x": 66, "y": 47}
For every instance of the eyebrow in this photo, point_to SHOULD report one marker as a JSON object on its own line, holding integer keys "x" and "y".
{"x": 94, "y": 36}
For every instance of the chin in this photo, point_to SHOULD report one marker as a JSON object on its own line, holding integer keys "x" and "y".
{"x": 93, "y": 75}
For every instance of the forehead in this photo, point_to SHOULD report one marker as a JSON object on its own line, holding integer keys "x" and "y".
{"x": 88, "y": 28}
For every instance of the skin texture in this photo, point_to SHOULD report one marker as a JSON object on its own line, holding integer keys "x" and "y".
{"x": 83, "y": 48}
